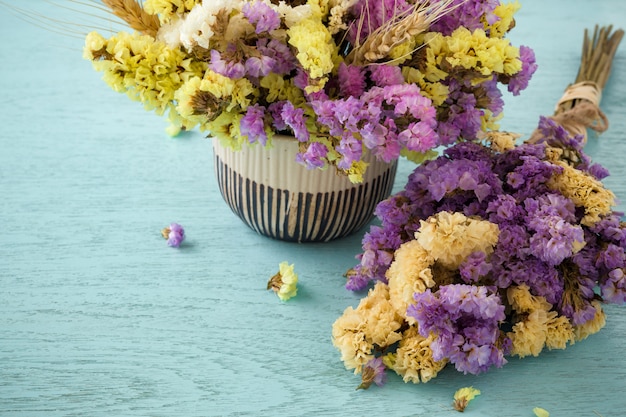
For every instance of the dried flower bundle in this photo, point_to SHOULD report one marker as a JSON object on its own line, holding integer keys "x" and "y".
{"x": 491, "y": 250}
{"x": 344, "y": 77}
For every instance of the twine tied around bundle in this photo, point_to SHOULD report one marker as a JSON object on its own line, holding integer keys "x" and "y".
{"x": 579, "y": 107}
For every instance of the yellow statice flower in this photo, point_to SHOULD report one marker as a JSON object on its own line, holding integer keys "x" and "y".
{"x": 505, "y": 12}
{"x": 540, "y": 326}
{"x": 585, "y": 191}
{"x": 373, "y": 322}
{"x": 278, "y": 89}
{"x": 501, "y": 141}
{"x": 383, "y": 321}
{"x": 348, "y": 336}
{"x": 201, "y": 100}
{"x": 463, "y": 396}
{"x": 471, "y": 51}
{"x": 409, "y": 273}
{"x": 592, "y": 326}
{"x": 356, "y": 171}
{"x": 315, "y": 47}
{"x": 559, "y": 333}
{"x": 226, "y": 129}
{"x": 414, "y": 358}
{"x": 522, "y": 301}
{"x": 145, "y": 69}
{"x": 401, "y": 52}
{"x": 169, "y": 9}
{"x": 321, "y": 8}
{"x": 489, "y": 122}
{"x": 450, "y": 237}
{"x": 285, "y": 282}
{"x": 529, "y": 336}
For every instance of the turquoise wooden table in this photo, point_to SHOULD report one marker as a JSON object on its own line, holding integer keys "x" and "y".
{"x": 99, "y": 317}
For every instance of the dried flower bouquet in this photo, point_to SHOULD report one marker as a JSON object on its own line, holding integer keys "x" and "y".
{"x": 344, "y": 77}
{"x": 493, "y": 249}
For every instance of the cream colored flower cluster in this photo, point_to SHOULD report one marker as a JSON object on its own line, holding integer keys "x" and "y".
{"x": 585, "y": 191}
{"x": 380, "y": 319}
{"x": 537, "y": 326}
{"x": 380, "y": 325}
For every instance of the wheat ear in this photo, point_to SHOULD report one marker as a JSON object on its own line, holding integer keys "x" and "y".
{"x": 132, "y": 12}
{"x": 397, "y": 31}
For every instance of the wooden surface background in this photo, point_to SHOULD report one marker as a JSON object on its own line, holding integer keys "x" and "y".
{"x": 99, "y": 317}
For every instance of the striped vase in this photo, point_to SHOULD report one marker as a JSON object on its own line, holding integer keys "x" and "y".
{"x": 282, "y": 199}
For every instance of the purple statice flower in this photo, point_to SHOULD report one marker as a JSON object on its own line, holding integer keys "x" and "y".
{"x": 293, "y": 117}
{"x": 374, "y": 135}
{"x": 350, "y": 113}
{"x": 384, "y": 75}
{"x": 467, "y": 13}
{"x": 474, "y": 177}
{"x": 390, "y": 150}
{"x": 448, "y": 132}
{"x": 350, "y": 149}
{"x": 175, "y": 234}
{"x": 373, "y": 373}
{"x": 314, "y": 156}
{"x": 494, "y": 101}
{"x": 379, "y": 244}
{"x": 542, "y": 279}
{"x": 325, "y": 112}
{"x": 519, "y": 81}
{"x": 465, "y": 320}
{"x": 407, "y": 100}
{"x": 261, "y": 15}
{"x": 351, "y": 80}
{"x": 514, "y": 240}
{"x": 275, "y": 110}
{"x": 474, "y": 267}
{"x": 611, "y": 229}
{"x": 611, "y": 257}
{"x": 282, "y": 57}
{"x": 259, "y": 66}
{"x": 371, "y": 15}
{"x": 420, "y": 137}
{"x": 533, "y": 175}
{"x": 613, "y": 289}
{"x": 469, "y": 150}
{"x": 579, "y": 313}
{"x": 463, "y": 117}
{"x": 585, "y": 259}
{"x": 252, "y": 124}
{"x": 230, "y": 69}
{"x": 504, "y": 209}
{"x": 554, "y": 239}
{"x": 598, "y": 171}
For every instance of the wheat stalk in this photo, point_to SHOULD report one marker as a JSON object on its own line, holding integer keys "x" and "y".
{"x": 133, "y": 13}
{"x": 596, "y": 60}
{"x": 579, "y": 108}
{"x": 397, "y": 31}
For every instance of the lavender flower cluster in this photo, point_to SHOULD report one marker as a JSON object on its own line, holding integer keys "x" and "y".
{"x": 368, "y": 107}
{"x": 559, "y": 238}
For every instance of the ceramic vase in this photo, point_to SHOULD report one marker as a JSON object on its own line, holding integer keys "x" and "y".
{"x": 281, "y": 199}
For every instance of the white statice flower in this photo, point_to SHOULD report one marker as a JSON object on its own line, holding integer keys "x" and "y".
{"x": 169, "y": 33}
{"x": 198, "y": 26}
{"x": 293, "y": 15}
{"x": 338, "y": 9}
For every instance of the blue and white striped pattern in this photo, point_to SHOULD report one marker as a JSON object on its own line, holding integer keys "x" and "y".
{"x": 334, "y": 208}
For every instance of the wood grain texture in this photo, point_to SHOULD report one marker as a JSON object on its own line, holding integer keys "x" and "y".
{"x": 98, "y": 317}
